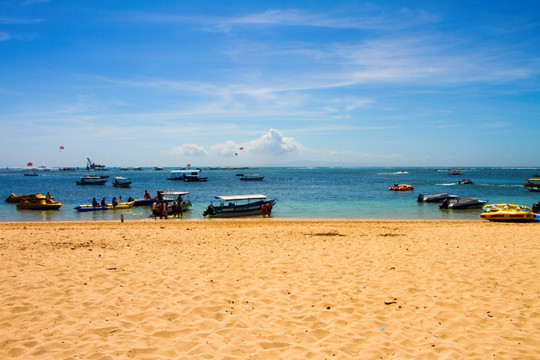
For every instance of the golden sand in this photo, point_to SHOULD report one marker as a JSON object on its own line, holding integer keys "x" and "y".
{"x": 270, "y": 289}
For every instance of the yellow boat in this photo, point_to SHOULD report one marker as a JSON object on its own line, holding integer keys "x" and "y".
{"x": 508, "y": 213}
{"x": 12, "y": 198}
{"x": 121, "y": 206}
{"x": 39, "y": 205}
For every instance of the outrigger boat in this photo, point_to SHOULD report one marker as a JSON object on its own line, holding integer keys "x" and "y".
{"x": 440, "y": 197}
{"x": 120, "y": 181}
{"x": 120, "y": 206}
{"x": 509, "y": 213}
{"x": 92, "y": 180}
{"x": 240, "y": 205}
{"x": 187, "y": 175}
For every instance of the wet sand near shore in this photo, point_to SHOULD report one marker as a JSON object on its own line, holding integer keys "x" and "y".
{"x": 270, "y": 289}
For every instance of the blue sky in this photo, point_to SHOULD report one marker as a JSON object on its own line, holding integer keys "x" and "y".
{"x": 357, "y": 83}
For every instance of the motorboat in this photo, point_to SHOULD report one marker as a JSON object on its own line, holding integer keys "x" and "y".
{"x": 465, "y": 182}
{"x": 172, "y": 199}
{"x": 187, "y": 176}
{"x": 401, "y": 187}
{"x": 93, "y": 180}
{"x": 120, "y": 206}
{"x": 465, "y": 203}
{"x": 12, "y": 198}
{"x": 533, "y": 184}
{"x": 120, "y": 181}
{"x": 440, "y": 197}
{"x": 240, "y": 205}
{"x": 250, "y": 177}
{"x": 508, "y": 213}
{"x": 45, "y": 204}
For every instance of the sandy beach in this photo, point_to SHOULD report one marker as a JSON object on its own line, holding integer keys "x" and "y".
{"x": 270, "y": 289}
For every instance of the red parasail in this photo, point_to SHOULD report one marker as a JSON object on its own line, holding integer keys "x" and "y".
{"x": 29, "y": 163}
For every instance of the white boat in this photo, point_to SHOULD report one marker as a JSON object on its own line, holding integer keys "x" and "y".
{"x": 120, "y": 181}
{"x": 440, "y": 197}
{"x": 240, "y": 205}
{"x": 92, "y": 180}
{"x": 172, "y": 199}
{"x": 465, "y": 203}
{"x": 187, "y": 175}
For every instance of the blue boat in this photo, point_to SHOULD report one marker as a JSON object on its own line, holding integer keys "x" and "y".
{"x": 240, "y": 205}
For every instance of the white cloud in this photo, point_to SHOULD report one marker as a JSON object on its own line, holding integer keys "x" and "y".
{"x": 189, "y": 149}
{"x": 274, "y": 142}
{"x": 227, "y": 149}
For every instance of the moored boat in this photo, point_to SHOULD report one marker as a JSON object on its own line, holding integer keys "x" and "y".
{"x": 401, "y": 187}
{"x": 12, "y": 198}
{"x": 172, "y": 203}
{"x": 39, "y": 205}
{"x": 187, "y": 176}
{"x": 465, "y": 203}
{"x": 250, "y": 177}
{"x": 120, "y": 206}
{"x": 533, "y": 184}
{"x": 240, "y": 205}
{"x": 120, "y": 181}
{"x": 93, "y": 180}
{"x": 508, "y": 213}
{"x": 440, "y": 197}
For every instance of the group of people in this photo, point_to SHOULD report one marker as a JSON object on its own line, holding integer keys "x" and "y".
{"x": 103, "y": 203}
{"x": 163, "y": 208}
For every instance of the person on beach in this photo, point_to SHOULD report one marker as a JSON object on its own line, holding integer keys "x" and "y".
{"x": 154, "y": 209}
{"x": 120, "y": 201}
{"x": 95, "y": 203}
{"x": 114, "y": 201}
{"x": 179, "y": 208}
{"x": 173, "y": 209}
{"x": 164, "y": 210}
{"x": 103, "y": 203}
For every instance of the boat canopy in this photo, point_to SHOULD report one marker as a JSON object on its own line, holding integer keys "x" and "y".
{"x": 174, "y": 193}
{"x": 185, "y": 171}
{"x": 241, "y": 197}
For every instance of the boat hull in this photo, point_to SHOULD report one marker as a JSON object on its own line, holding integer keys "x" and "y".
{"x": 252, "y": 209}
{"x": 508, "y": 213}
{"x": 122, "y": 206}
{"x": 39, "y": 205}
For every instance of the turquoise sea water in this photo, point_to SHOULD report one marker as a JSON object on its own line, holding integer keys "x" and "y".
{"x": 301, "y": 192}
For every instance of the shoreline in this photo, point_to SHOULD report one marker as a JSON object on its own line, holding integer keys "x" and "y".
{"x": 270, "y": 288}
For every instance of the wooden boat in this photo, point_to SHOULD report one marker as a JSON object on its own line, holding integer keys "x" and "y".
{"x": 401, "y": 187}
{"x": 187, "y": 176}
{"x": 250, "y": 177}
{"x": 240, "y": 205}
{"x": 120, "y": 181}
{"x": 121, "y": 206}
{"x": 12, "y": 198}
{"x": 508, "y": 213}
{"x": 39, "y": 205}
{"x": 465, "y": 203}
{"x": 171, "y": 199}
{"x": 440, "y": 197}
{"x": 93, "y": 180}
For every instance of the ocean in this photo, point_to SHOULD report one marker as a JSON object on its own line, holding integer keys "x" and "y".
{"x": 300, "y": 192}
